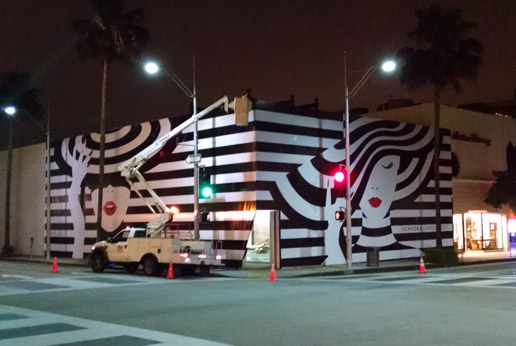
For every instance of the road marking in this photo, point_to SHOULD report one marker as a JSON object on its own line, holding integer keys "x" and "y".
{"x": 503, "y": 281}
{"x": 46, "y": 329}
{"x": 75, "y": 282}
{"x": 18, "y": 277}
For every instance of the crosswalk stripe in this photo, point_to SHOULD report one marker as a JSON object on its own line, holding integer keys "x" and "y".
{"x": 85, "y": 331}
{"x": 439, "y": 280}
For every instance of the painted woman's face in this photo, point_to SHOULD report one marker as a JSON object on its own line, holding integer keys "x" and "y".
{"x": 116, "y": 200}
{"x": 379, "y": 192}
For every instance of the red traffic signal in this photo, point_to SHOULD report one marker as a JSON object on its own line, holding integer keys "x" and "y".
{"x": 339, "y": 176}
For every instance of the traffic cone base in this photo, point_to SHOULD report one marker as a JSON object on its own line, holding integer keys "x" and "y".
{"x": 272, "y": 277}
{"x": 54, "y": 266}
{"x": 422, "y": 268}
{"x": 170, "y": 273}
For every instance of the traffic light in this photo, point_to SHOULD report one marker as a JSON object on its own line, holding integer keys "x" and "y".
{"x": 205, "y": 188}
{"x": 339, "y": 177}
{"x": 339, "y": 215}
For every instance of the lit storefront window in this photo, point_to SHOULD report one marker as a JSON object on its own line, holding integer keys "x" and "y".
{"x": 479, "y": 230}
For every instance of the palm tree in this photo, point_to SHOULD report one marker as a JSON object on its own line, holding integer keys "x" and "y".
{"x": 111, "y": 36}
{"x": 444, "y": 55}
{"x": 16, "y": 90}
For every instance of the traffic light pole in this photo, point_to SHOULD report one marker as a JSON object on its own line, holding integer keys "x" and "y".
{"x": 196, "y": 163}
{"x": 349, "y": 253}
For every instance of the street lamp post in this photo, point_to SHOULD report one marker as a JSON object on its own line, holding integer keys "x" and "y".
{"x": 387, "y": 66}
{"x": 10, "y": 111}
{"x": 153, "y": 68}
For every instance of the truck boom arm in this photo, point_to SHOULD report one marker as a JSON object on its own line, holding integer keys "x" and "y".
{"x": 129, "y": 169}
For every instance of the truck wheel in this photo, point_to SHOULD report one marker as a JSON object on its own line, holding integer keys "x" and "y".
{"x": 131, "y": 267}
{"x": 98, "y": 262}
{"x": 204, "y": 270}
{"x": 151, "y": 267}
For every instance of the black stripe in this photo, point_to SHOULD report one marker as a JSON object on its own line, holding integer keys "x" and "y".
{"x": 422, "y": 235}
{"x": 316, "y": 196}
{"x": 232, "y": 263}
{"x": 404, "y": 221}
{"x": 302, "y": 261}
{"x": 376, "y": 232}
{"x": 231, "y": 244}
{"x": 61, "y": 240}
{"x": 61, "y": 254}
{"x": 301, "y": 242}
{"x": 288, "y": 149}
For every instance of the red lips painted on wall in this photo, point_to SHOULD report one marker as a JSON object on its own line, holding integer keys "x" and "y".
{"x": 109, "y": 208}
{"x": 375, "y": 202}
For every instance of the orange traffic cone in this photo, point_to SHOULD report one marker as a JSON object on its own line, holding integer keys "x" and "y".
{"x": 272, "y": 277}
{"x": 170, "y": 274}
{"x": 54, "y": 266}
{"x": 421, "y": 266}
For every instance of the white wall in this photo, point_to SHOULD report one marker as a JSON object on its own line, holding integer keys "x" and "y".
{"x": 27, "y": 199}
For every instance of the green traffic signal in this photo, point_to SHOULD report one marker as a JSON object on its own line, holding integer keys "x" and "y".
{"x": 206, "y": 192}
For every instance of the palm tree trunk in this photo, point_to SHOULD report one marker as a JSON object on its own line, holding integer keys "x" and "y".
{"x": 437, "y": 150}
{"x": 100, "y": 232}
{"x": 7, "y": 240}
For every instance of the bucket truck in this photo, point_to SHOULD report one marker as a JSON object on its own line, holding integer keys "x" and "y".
{"x": 155, "y": 247}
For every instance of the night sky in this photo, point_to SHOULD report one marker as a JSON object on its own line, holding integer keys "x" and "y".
{"x": 277, "y": 48}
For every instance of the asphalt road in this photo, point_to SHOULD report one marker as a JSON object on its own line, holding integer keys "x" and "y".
{"x": 470, "y": 305}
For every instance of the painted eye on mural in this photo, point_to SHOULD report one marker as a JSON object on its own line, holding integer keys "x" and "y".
{"x": 388, "y": 166}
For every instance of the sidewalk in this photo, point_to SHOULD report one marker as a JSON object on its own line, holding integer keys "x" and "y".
{"x": 263, "y": 270}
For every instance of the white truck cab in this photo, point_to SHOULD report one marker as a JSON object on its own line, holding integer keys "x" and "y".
{"x": 132, "y": 247}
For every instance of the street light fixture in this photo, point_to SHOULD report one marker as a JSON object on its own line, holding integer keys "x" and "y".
{"x": 387, "y": 66}
{"x": 153, "y": 67}
{"x": 10, "y": 110}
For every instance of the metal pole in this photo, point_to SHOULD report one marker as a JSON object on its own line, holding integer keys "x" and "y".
{"x": 7, "y": 241}
{"x": 196, "y": 164}
{"x": 349, "y": 259}
{"x": 48, "y": 184}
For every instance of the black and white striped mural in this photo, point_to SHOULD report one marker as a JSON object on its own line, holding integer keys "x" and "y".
{"x": 278, "y": 162}
{"x": 391, "y": 189}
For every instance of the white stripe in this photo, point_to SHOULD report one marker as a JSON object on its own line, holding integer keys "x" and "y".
{"x": 282, "y": 158}
{"x": 90, "y": 331}
{"x": 418, "y": 212}
{"x": 291, "y": 119}
{"x": 445, "y": 155}
{"x": 220, "y": 160}
{"x": 442, "y": 183}
{"x": 295, "y": 233}
{"x": 302, "y": 252}
{"x": 295, "y": 139}
{"x": 225, "y": 235}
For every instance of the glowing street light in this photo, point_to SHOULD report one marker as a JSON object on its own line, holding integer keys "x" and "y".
{"x": 10, "y": 110}
{"x": 387, "y": 66}
{"x": 151, "y": 67}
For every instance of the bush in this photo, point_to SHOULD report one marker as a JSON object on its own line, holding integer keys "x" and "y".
{"x": 443, "y": 256}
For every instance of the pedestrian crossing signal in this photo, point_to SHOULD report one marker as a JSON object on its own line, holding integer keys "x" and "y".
{"x": 339, "y": 215}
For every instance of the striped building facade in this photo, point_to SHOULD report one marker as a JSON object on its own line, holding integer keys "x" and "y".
{"x": 283, "y": 160}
